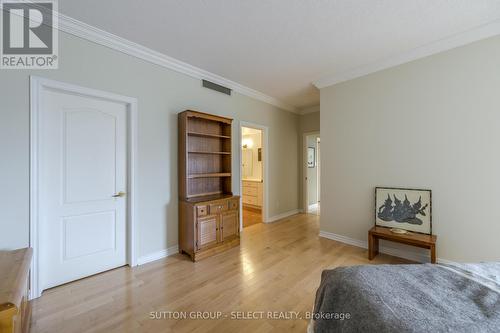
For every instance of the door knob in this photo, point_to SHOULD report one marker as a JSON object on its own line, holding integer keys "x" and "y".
{"x": 119, "y": 194}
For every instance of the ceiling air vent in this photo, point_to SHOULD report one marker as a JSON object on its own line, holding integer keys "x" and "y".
{"x": 216, "y": 87}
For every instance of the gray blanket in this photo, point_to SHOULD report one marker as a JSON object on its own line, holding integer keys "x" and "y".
{"x": 409, "y": 298}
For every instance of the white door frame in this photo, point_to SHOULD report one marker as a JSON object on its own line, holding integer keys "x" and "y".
{"x": 305, "y": 194}
{"x": 318, "y": 168}
{"x": 265, "y": 169}
{"x": 37, "y": 85}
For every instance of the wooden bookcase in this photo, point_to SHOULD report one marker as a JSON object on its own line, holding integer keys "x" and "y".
{"x": 205, "y": 182}
{"x": 204, "y": 155}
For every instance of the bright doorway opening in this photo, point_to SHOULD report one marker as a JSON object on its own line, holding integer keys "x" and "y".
{"x": 312, "y": 173}
{"x": 252, "y": 175}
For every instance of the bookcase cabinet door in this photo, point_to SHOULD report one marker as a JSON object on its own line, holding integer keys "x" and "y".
{"x": 229, "y": 225}
{"x": 207, "y": 231}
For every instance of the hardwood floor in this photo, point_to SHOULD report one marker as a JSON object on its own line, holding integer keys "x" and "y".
{"x": 277, "y": 268}
{"x": 251, "y": 216}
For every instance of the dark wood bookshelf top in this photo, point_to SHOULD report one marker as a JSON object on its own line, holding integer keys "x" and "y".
{"x": 198, "y": 114}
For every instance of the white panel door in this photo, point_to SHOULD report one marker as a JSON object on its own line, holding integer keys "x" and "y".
{"x": 82, "y": 166}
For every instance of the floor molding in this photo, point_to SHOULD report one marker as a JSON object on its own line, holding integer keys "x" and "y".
{"x": 409, "y": 255}
{"x": 158, "y": 255}
{"x": 104, "y": 38}
{"x": 282, "y": 216}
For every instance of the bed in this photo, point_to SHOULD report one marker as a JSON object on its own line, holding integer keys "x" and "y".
{"x": 409, "y": 298}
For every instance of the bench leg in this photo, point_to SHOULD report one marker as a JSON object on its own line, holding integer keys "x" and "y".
{"x": 372, "y": 247}
{"x": 433, "y": 254}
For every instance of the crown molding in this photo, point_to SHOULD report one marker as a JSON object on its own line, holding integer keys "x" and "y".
{"x": 104, "y": 38}
{"x": 466, "y": 37}
{"x": 310, "y": 109}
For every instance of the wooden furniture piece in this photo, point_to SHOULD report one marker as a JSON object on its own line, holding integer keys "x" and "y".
{"x": 15, "y": 309}
{"x": 208, "y": 211}
{"x": 410, "y": 238}
{"x": 252, "y": 194}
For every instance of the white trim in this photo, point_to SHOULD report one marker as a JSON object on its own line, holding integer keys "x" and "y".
{"x": 343, "y": 239}
{"x": 104, "y": 38}
{"x": 409, "y": 255}
{"x": 33, "y": 214}
{"x": 466, "y": 37}
{"x": 318, "y": 170}
{"x": 265, "y": 169}
{"x": 311, "y": 109}
{"x": 36, "y": 86}
{"x": 305, "y": 195}
{"x": 132, "y": 145}
{"x": 281, "y": 216}
{"x": 158, "y": 255}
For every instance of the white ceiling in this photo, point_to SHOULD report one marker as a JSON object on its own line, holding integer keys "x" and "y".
{"x": 279, "y": 47}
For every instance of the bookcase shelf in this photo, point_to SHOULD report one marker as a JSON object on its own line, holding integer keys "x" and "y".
{"x": 209, "y": 175}
{"x": 210, "y": 152}
{"x": 208, "y": 135}
{"x": 204, "y": 155}
{"x": 207, "y": 194}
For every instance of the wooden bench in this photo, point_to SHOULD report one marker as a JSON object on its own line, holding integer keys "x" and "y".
{"x": 15, "y": 310}
{"x": 410, "y": 238}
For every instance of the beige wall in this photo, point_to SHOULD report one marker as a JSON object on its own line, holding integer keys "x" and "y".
{"x": 308, "y": 123}
{"x": 432, "y": 123}
{"x": 161, "y": 94}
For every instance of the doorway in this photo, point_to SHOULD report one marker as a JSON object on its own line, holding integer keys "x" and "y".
{"x": 82, "y": 182}
{"x": 253, "y": 185}
{"x": 312, "y": 173}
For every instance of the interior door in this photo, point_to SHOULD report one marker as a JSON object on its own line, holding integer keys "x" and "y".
{"x": 229, "y": 225}
{"x": 207, "y": 231}
{"x": 83, "y": 182}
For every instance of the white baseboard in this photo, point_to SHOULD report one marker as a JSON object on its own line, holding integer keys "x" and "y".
{"x": 343, "y": 239}
{"x": 282, "y": 216}
{"x": 409, "y": 255}
{"x": 158, "y": 255}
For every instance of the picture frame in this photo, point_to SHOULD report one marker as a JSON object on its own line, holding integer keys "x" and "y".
{"x": 311, "y": 157}
{"x": 404, "y": 208}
